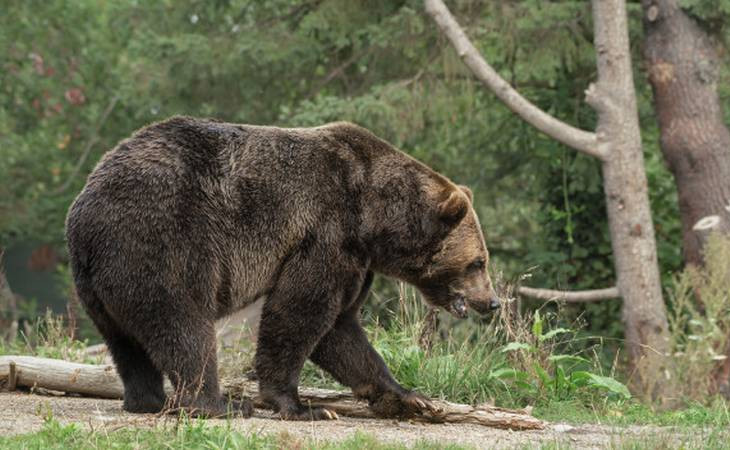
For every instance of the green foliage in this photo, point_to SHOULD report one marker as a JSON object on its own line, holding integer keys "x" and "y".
{"x": 715, "y": 12}
{"x": 543, "y": 373}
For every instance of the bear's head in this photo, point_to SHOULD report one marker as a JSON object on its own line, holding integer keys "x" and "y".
{"x": 456, "y": 274}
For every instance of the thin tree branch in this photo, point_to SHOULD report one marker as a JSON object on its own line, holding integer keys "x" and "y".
{"x": 576, "y": 138}
{"x": 89, "y": 145}
{"x": 593, "y": 295}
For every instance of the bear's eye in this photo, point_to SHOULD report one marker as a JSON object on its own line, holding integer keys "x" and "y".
{"x": 477, "y": 264}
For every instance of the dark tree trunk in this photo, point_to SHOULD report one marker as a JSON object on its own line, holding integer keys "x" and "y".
{"x": 682, "y": 63}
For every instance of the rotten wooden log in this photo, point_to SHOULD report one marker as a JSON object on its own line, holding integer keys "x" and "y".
{"x": 103, "y": 381}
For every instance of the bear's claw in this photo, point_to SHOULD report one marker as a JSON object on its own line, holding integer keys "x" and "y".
{"x": 314, "y": 413}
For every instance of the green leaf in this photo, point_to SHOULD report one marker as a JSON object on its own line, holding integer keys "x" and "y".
{"x": 537, "y": 325}
{"x": 553, "y": 333}
{"x": 545, "y": 378}
{"x": 512, "y": 346}
{"x": 599, "y": 381}
{"x": 508, "y": 373}
{"x": 566, "y": 358}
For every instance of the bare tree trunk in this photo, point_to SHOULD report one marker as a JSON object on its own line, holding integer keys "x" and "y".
{"x": 617, "y": 143}
{"x": 682, "y": 64}
{"x": 627, "y": 198}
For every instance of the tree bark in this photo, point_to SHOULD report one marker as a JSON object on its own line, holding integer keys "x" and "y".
{"x": 618, "y": 144}
{"x": 682, "y": 64}
{"x": 627, "y": 199}
{"x": 103, "y": 381}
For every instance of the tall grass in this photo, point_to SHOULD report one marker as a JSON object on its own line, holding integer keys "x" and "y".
{"x": 49, "y": 336}
{"x": 699, "y": 323}
{"x": 509, "y": 359}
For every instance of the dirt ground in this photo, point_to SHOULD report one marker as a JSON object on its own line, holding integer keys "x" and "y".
{"x": 23, "y": 413}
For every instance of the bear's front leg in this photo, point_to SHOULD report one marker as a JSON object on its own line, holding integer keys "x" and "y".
{"x": 347, "y": 355}
{"x": 301, "y": 308}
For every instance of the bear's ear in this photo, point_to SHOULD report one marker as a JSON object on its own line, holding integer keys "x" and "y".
{"x": 454, "y": 208}
{"x": 468, "y": 192}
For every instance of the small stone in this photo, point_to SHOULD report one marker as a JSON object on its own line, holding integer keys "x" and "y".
{"x": 563, "y": 428}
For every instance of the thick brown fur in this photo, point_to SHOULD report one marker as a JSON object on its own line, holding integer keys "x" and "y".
{"x": 189, "y": 220}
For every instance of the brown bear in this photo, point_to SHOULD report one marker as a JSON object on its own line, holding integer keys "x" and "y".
{"x": 192, "y": 219}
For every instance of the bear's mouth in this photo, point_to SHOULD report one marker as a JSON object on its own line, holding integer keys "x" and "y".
{"x": 458, "y": 307}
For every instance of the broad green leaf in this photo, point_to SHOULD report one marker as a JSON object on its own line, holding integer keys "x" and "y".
{"x": 609, "y": 384}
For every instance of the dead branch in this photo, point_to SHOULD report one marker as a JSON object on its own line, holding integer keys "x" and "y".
{"x": 593, "y": 295}
{"x": 102, "y": 381}
{"x": 578, "y": 139}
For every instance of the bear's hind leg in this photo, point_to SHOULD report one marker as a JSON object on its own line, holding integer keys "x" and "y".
{"x": 184, "y": 347}
{"x": 143, "y": 384}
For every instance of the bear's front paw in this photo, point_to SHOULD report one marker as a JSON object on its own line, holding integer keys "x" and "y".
{"x": 408, "y": 404}
{"x": 308, "y": 413}
{"x": 419, "y": 404}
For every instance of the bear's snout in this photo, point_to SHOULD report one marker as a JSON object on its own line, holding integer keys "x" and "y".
{"x": 495, "y": 303}
{"x": 485, "y": 305}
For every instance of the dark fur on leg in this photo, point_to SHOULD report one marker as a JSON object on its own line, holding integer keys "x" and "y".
{"x": 347, "y": 355}
{"x": 295, "y": 317}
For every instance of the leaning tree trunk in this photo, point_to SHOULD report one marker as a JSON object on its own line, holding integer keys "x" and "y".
{"x": 617, "y": 143}
{"x": 682, "y": 64}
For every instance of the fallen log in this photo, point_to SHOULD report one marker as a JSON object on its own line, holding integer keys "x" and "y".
{"x": 103, "y": 381}
{"x": 58, "y": 375}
